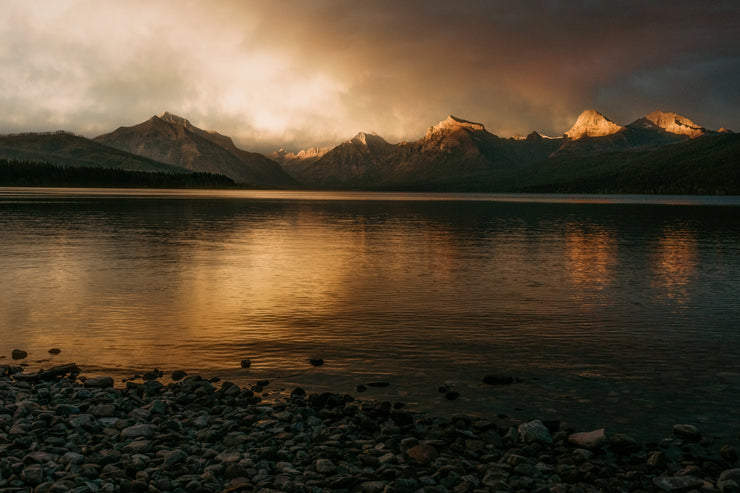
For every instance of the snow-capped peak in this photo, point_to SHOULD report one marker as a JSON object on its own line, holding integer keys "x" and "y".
{"x": 676, "y": 124}
{"x": 591, "y": 123}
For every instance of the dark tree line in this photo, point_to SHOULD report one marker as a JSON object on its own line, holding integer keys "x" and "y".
{"x": 32, "y": 174}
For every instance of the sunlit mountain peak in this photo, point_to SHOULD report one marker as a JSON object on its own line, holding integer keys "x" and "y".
{"x": 676, "y": 124}
{"x": 177, "y": 120}
{"x": 366, "y": 138}
{"x": 591, "y": 123}
{"x": 454, "y": 123}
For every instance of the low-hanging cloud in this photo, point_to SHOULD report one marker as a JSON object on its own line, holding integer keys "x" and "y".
{"x": 297, "y": 74}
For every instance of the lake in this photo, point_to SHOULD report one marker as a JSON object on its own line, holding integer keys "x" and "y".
{"x": 615, "y": 311}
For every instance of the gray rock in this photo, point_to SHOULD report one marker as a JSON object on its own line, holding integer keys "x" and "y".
{"x": 534, "y": 432}
{"x": 33, "y": 474}
{"x": 138, "y": 447}
{"x": 139, "y": 431}
{"x": 656, "y": 459}
{"x": 687, "y": 432}
{"x": 174, "y": 457}
{"x": 38, "y": 457}
{"x": 372, "y": 486}
{"x": 728, "y": 486}
{"x": 589, "y": 439}
{"x": 72, "y": 458}
{"x": 423, "y": 454}
{"x": 677, "y": 483}
{"x": 730, "y": 475}
{"x": 103, "y": 410}
{"x": 325, "y": 466}
{"x": 99, "y": 382}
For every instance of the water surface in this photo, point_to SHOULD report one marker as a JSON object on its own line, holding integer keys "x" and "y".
{"x": 617, "y": 311}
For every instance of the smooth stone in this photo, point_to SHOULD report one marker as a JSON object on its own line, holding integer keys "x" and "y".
{"x": 33, "y": 474}
{"x": 588, "y": 439}
{"x": 103, "y": 410}
{"x": 99, "y": 382}
{"x": 729, "y": 454}
{"x": 174, "y": 457}
{"x": 423, "y": 453}
{"x": 687, "y": 432}
{"x": 728, "y": 486}
{"x": 72, "y": 458}
{"x": 138, "y": 447}
{"x": 730, "y": 475}
{"x": 138, "y": 431}
{"x": 38, "y": 457}
{"x": 246, "y": 363}
{"x": 534, "y": 432}
{"x": 372, "y": 486}
{"x": 677, "y": 483}
{"x": 623, "y": 442}
{"x": 325, "y": 466}
{"x": 178, "y": 375}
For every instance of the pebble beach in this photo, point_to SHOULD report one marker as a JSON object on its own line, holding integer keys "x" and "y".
{"x": 61, "y": 431}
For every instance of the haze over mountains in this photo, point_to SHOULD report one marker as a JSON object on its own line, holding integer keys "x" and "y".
{"x": 453, "y": 155}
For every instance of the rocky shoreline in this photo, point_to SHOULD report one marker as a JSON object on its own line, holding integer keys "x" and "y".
{"x": 60, "y": 431}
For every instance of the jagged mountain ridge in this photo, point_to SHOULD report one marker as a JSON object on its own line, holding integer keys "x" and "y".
{"x": 595, "y": 133}
{"x": 172, "y": 139}
{"x": 457, "y": 151}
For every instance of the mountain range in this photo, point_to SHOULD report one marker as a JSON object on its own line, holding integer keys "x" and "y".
{"x": 594, "y": 155}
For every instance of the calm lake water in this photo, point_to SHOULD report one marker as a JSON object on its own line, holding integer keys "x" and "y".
{"x": 618, "y": 311}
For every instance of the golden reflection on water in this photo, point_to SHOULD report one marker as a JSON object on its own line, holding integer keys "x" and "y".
{"x": 675, "y": 261}
{"x": 591, "y": 258}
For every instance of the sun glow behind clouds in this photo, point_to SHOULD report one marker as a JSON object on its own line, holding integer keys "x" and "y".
{"x": 106, "y": 60}
{"x": 298, "y": 74}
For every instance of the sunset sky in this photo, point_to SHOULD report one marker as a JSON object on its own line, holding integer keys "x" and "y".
{"x": 296, "y": 74}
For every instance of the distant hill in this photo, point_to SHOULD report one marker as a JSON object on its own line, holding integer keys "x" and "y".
{"x": 174, "y": 140}
{"x": 63, "y": 148}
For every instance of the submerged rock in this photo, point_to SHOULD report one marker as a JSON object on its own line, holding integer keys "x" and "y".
{"x": 19, "y": 354}
{"x": 498, "y": 380}
{"x": 687, "y": 432}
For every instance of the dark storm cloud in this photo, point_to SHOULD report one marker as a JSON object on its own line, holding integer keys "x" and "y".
{"x": 296, "y": 73}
